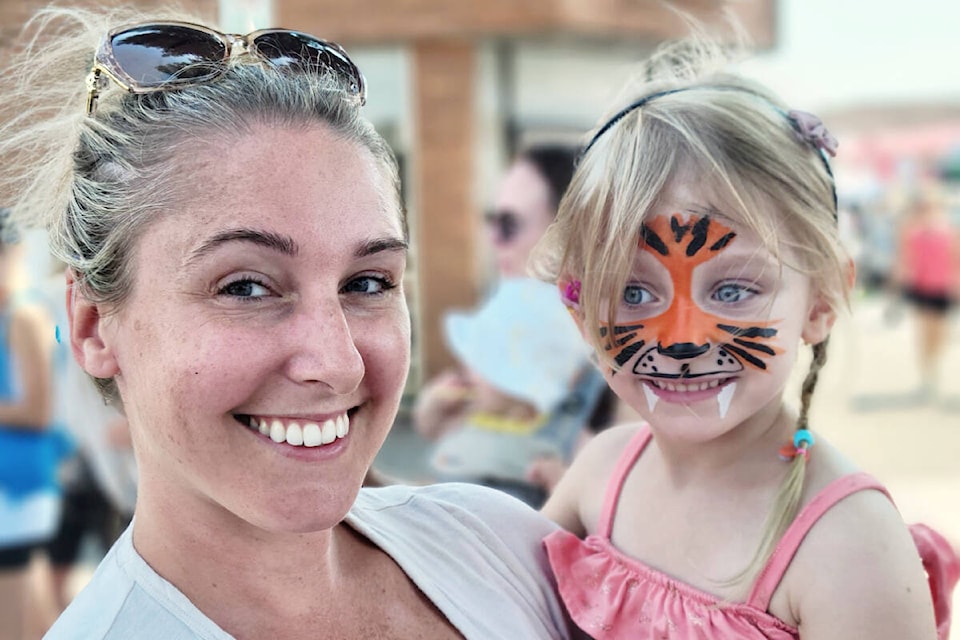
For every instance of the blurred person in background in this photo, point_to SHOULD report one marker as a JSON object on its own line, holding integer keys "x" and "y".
{"x": 927, "y": 274}
{"x": 524, "y": 393}
{"x": 30, "y": 447}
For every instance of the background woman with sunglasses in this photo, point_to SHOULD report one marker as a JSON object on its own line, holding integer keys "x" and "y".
{"x": 236, "y": 251}
{"x": 512, "y": 412}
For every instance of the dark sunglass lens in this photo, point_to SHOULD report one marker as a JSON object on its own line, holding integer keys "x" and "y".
{"x": 504, "y": 223}
{"x": 307, "y": 53}
{"x": 509, "y": 226}
{"x": 156, "y": 54}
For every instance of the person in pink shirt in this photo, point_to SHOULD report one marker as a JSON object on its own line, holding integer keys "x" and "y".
{"x": 697, "y": 249}
{"x": 927, "y": 274}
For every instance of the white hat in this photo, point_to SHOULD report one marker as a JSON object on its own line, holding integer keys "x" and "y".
{"x": 521, "y": 341}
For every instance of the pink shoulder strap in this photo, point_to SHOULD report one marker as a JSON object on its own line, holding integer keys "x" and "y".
{"x": 624, "y": 464}
{"x": 781, "y": 557}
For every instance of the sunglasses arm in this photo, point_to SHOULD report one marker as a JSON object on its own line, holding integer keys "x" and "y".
{"x": 94, "y": 83}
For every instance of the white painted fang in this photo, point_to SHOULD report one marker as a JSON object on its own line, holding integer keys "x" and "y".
{"x": 651, "y": 397}
{"x": 724, "y": 398}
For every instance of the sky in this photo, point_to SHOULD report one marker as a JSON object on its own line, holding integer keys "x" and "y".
{"x": 835, "y": 53}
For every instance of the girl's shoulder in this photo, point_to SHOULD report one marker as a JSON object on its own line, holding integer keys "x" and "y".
{"x": 860, "y": 512}
{"x": 860, "y": 553}
{"x": 606, "y": 445}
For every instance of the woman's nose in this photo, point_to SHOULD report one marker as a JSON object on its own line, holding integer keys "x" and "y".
{"x": 325, "y": 351}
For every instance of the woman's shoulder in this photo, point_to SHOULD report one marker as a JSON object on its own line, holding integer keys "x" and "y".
{"x": 447, "y": 503}
{"x": 125, "y": 598}
{"x": 471, "y": 550}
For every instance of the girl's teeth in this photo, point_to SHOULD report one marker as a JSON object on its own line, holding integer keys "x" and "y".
{"x": 682, "y": 388}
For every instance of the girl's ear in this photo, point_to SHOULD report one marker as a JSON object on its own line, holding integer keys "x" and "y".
{"x": 87, "y": 332}
{"x": 570, "y": 295}
{"x": 819, "y": 321}
{"x": 821, "y": 316}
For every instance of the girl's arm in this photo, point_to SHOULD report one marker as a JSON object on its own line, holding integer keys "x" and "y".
{"x": 858, "y": 575}
{"x": 31, "y": 346}
{"x": 577, "y": 499}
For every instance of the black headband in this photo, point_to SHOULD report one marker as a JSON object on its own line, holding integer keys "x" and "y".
{"x": 808, "y": 127}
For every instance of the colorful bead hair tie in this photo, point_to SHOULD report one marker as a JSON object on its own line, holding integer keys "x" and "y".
{"x": 802, "y": 441}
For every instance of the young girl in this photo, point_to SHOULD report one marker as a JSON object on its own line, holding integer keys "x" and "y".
{"x": 697, "y": 249}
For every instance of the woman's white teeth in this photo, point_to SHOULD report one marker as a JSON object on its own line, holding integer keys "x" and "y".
{"x": 693, "y": 386}
{"x": 294, "y": 434}
{"x": 310, "y": 434}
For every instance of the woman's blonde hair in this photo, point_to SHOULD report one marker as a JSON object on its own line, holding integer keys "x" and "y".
{"x": 737, "y": 140}
{"x": 96, "y": 182}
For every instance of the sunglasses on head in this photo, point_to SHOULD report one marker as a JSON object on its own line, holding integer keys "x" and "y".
{"x": 166, "y": 56}
{"x": 505, "y": 225}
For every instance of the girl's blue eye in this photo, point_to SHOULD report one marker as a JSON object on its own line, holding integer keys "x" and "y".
{"x": 635, "y": 294}
{"x": 246, "y": 288}
{"x": 368, "y": 285}
{"x": 731, "y": 293}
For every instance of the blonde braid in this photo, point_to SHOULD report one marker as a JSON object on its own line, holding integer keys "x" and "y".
{"x": 787, "y": 502}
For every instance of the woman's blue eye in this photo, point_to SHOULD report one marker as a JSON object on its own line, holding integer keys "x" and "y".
{"x": 246, "y": 288}
{"x": 369, "y": 285}
{"x": 635, "y": 294}
{"x": 730, "y": 293}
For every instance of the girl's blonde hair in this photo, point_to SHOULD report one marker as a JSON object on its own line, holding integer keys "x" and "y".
{"x": 97, "y": 182}
{"x": 735, "y": 137}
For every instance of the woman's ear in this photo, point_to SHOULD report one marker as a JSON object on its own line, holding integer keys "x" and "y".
{"x": 87, "y": 332}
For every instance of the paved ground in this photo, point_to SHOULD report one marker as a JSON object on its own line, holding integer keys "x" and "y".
{"x": 865, "y": 405}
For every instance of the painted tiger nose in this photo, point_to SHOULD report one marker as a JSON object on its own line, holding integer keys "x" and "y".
{"x": 683, "y": 350}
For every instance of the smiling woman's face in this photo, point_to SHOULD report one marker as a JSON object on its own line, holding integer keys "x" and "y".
{"x": 263, "y": 351}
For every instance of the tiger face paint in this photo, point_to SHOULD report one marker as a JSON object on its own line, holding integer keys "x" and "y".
{"x": 701, "y": 314}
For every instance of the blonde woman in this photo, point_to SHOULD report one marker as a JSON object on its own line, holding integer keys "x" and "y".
{"x": 236, "y": 250}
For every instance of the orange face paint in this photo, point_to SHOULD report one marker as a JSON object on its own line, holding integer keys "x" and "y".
{"x": 666, "y": 343}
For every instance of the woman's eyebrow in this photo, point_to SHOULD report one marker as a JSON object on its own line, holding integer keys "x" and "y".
{"x": 283, "y": 244}
{"x": 379, "y": 245}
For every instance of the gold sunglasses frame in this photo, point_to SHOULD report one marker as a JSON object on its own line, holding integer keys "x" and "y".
{"x": 106, "y": 67}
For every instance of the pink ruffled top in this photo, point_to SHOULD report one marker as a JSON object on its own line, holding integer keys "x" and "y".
{"x": 612, "y": 596}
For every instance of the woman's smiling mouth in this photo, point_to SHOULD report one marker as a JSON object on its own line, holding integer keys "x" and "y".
{"x": 299, "y": 433}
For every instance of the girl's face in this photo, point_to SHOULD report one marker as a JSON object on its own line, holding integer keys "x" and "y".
{"x": 709, "y": 322}
{"x": 270, "y": 301}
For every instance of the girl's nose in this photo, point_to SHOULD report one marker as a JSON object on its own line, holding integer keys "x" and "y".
{"x": 683, "y": 350}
